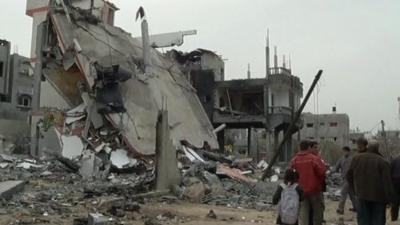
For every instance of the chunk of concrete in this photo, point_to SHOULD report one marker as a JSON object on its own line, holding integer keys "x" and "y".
{"x": 97, "y": 219}
{"x": 72, "y": 146}
{"x": 9, "y": 188}
{"x": 119, "y": 158}
{"x": 90, "y": 166}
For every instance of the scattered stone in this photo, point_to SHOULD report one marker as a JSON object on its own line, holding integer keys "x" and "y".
{"x": 97, "y": 219}
{"x": 211, "y": 214}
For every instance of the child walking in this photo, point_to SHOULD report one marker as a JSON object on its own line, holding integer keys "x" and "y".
{"x": 288, "y": 196}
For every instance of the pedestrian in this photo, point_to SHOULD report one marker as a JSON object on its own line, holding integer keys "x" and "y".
{"x": 369, "y": 178}
{"x": 395, "y": 173}
{"x": 362, "y": 145}
{"x": 342, "y": 166}
{"x": 311, "y": 169}
{"x": 316, "y": 150}
{"x": 288, "y": 196}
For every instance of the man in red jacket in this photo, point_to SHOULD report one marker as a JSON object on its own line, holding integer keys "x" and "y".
{"x": 311, "y": 169}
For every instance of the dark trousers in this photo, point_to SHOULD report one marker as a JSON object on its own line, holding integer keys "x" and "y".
{"x": 371, "y": 213}
{"x": 314, "y": 203}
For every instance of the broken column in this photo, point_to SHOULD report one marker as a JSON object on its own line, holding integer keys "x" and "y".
{"x": 167, "y": 172}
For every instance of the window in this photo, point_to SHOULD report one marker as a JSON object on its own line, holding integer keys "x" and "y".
{"x": 1, "y": 68}
{"x": 25, "y": 101}
{"x": 310, "y": 125}
{"x": 333, "y": 124}
{"x": 322, "y": 124}
{"x": 334, "y": 138}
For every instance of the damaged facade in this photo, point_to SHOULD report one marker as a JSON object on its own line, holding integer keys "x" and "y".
{"x": 121, "y": 82}
{"x": 254, "y": 103}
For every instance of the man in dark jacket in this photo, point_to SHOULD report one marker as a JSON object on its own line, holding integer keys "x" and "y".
{"x": 342, "y": 166}
{"x": 311, "y": 169}
{"x": 395, "y": 171}
{"x": 369, "y": 177}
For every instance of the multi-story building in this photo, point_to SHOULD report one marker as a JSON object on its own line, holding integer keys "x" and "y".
{"x": 332, "y": 128}
{"x": 16, "y": 91}
{"x": 16, "y": 79}
{"x": 254, "y": 103}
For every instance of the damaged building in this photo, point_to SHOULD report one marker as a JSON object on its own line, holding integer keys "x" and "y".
{"x": 111, "y": 81}
{"x": 254, "y": 103}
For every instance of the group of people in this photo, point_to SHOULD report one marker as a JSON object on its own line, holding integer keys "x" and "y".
{"x": 370, "y": 181}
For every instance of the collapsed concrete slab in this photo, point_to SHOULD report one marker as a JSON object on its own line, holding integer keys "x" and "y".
{"x": 108, "y": 63}
{"x": 10, "y": 188}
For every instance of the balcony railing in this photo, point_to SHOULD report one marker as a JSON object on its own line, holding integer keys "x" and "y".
{"x": 279, "y": 70}
{"x": 280, "y": 110}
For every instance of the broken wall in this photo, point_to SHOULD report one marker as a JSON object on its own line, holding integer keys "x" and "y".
{"x": 83, "y": 44}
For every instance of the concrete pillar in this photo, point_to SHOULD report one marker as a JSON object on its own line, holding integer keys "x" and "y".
{"x": 167, "y": 172}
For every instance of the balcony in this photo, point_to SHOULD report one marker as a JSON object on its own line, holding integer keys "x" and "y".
{"x": 280, "y": 110}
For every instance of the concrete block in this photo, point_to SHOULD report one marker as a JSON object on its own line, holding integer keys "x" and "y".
{"x": 97, "y": 219}
{"x": 9, "y": 188}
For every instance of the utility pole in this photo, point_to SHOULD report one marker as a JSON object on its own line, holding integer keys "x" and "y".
{"x": 385, "y": 146}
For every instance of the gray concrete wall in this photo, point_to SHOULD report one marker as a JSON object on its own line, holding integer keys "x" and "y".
{"x": 13, "y": 123}
{"x": 13, "y": 129}
{"x": 322, "y": 128}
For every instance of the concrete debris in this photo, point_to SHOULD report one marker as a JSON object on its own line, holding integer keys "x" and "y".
{"x": 4, "y": 165}
{"x": 234, "y": 173}
{"x": 9, "y": 188}
{"x": 90, "y": 166}
{"x": 28, "y": 165}
{"x": 120, "y": 88}
{"x": 7, "y": 158}
{"x": 97, "y": 219}
{"x": 72, "y": 146}
{"x": 274, "y": 178}
{"x": 262, "y": 165}
{"x": 119, "y": 158}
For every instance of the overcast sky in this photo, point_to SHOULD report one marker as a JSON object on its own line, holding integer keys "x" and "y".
{"x": 356, "y": 43}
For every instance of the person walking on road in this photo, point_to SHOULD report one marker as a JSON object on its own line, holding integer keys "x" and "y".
{"x": 369, "y": 178}
{"x": 342, "y": 166}
{"x": 311, "y": 169}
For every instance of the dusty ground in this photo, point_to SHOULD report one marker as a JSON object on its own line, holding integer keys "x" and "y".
{"x": 63, "y": 201}
{"x": 177, "y": 212}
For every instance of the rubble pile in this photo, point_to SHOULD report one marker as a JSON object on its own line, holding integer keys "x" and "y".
{"x": 334, "y": 183}
{"x": 214, "y": 179}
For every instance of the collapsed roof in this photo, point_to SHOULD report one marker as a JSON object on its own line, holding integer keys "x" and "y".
{"x": 82, "y": 53}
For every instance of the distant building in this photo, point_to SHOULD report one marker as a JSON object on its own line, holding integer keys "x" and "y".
{"x": 334, "y": 128}
{"x": 16, "y": 79}
{"x": 16, "y": 91}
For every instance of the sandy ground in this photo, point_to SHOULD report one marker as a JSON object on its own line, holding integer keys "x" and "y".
{"x": 186, "y": 213}
{"x": 179, "y": 212}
